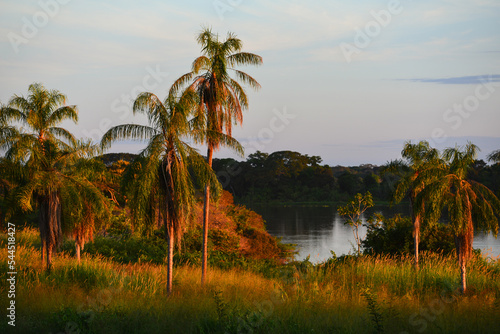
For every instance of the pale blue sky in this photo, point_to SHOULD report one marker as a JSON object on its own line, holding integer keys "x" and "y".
{"x": 418, "y": 73}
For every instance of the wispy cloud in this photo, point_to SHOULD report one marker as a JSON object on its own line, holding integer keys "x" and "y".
{"x": 465, "y": 80}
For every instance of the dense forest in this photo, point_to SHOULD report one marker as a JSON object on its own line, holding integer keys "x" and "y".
{"x": 288, "y": 176}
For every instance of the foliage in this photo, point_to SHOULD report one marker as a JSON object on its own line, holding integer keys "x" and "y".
{"x": 394, "y": 236}
{"x": 375, "y": 314}
{"x": 302, "y": 178}
{"x": 54, "y": 176}
{"x": 102, "y": 296}
{"x": 124, "y": 244}
{"x": 352, "y": 213}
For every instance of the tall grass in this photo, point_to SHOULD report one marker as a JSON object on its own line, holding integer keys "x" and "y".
{"x": 102, "y": 296}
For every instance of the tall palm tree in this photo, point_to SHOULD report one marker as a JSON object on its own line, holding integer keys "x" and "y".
{"x": 40, "y": 145}
{"x": 221, "y": 100}
{"x": 471, "y": 206}
{"x": 163, "y": 189}
{"x": 417, "y": 158}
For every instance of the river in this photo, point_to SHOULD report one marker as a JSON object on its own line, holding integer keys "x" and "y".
{"x": 317, "y": 230}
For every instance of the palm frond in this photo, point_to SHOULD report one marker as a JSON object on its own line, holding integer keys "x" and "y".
{"x": 494, "y": 156}
{"x": 244, "y": 58}
{"x": 127, "y": 131}
{"x": 63, "y": 113}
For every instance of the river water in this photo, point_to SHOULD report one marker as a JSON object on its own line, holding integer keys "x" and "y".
{"x": 318, "y": 230}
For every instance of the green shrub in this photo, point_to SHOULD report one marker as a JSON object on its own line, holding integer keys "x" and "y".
{"x": 395, "y": 236}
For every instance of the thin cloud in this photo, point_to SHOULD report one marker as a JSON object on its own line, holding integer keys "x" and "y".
{"x": 465, "y": 80}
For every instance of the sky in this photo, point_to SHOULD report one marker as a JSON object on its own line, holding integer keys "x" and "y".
{"x": 350, "y": 81}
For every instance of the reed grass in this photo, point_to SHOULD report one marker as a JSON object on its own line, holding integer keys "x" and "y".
{"x": 102, "y": 296}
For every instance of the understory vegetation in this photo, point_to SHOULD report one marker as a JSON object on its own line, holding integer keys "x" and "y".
{"x": 347, "y": 294}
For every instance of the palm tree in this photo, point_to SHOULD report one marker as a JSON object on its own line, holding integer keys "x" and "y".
{"x": 89, "y": 209}
{"x": 60, "y": 191}
{"x": 163, "y": 189}
{"x": 221, "y": 100}
{"x": 39, "y": 147}
{"x": 470, "y": 204}
{"x": 417, "y": 158}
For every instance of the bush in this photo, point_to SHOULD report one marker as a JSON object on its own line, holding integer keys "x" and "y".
{"x": 395, "y": 236}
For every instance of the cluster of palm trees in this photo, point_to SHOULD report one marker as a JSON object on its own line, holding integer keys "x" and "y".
{"x": 438, "y": 182}
{"x": 47, "y": 168}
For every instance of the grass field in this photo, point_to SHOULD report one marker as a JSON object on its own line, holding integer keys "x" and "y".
{"x": 350, "y": 295}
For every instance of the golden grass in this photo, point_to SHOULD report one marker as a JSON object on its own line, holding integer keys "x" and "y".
{"x": 326, "y": 299}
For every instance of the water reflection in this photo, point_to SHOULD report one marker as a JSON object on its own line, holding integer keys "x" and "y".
{"x": 318, "y": 230}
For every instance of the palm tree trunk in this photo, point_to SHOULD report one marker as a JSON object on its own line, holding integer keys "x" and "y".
{"x": 461, "y": 255}
{"x": 49, "y": 256}
{"x": 77, "y": 251}
{"x": 170, "y": 256}
{"x": 42, "y": 251}
{"x": 49, "y": 220}
{"x": 416, "y": 226}
{"x": 463, "y": 276}
{"x": 206, "y": 206}
{"x": 416, "y": 236}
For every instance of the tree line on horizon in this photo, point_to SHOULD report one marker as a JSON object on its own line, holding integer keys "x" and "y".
{"x": 292, "y": 177}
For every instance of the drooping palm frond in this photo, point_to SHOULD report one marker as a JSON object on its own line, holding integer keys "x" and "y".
{"x": 127, "y": 131}
{"x": 494, "y": 156}
{"x": 244, "y": 58}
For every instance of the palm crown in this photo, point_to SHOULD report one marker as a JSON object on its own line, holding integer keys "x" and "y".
{"x": 221, "y": 98}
